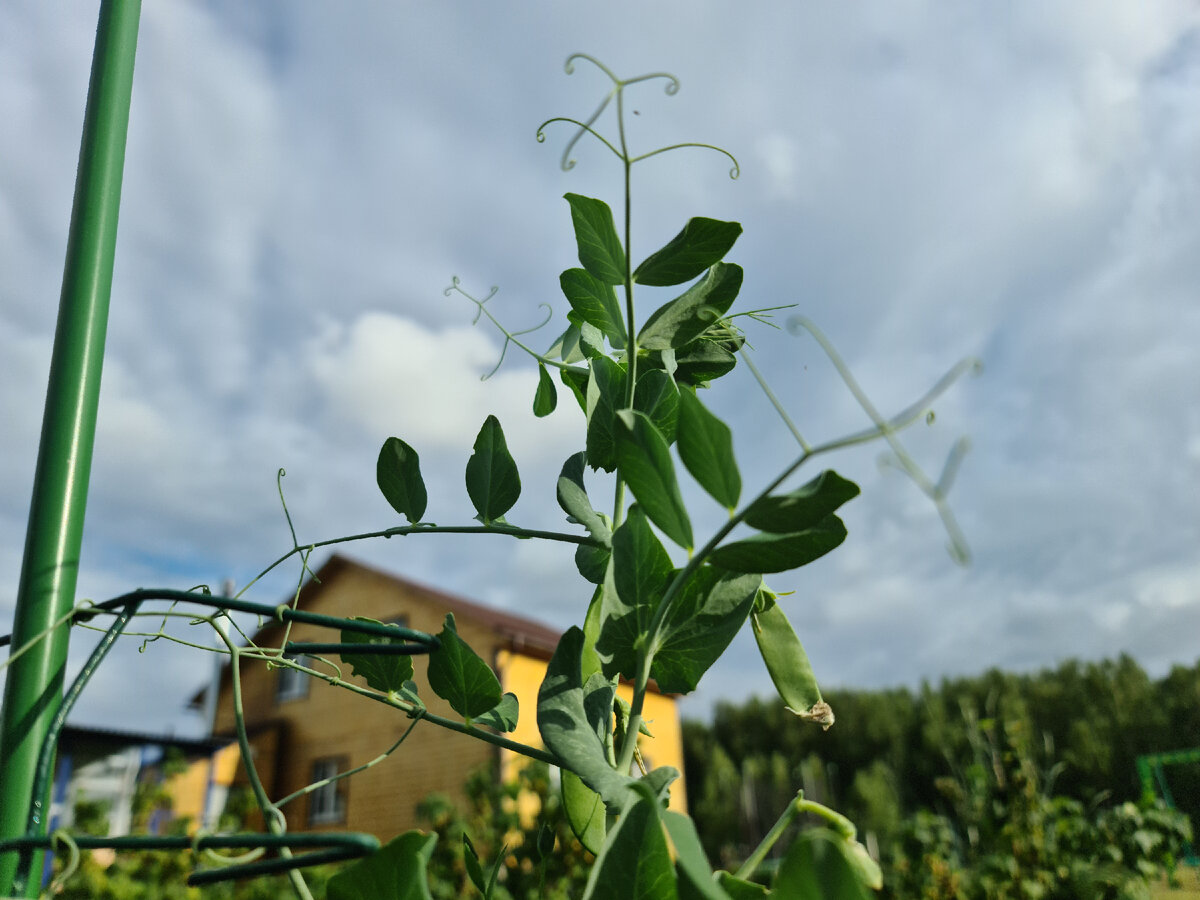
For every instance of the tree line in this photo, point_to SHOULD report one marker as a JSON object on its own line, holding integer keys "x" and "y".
{"x": 955, "y": 756}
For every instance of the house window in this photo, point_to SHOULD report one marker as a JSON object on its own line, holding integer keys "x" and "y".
{"x": 327, "y": 804}
{"x": 293, "y": 684}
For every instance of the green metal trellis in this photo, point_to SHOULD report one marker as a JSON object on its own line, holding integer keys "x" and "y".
{"x": 34, "y": 705}
{"x": 34, "y": 839}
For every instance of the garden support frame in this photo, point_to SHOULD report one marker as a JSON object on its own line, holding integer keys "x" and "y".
{"x": 49, "y": 570}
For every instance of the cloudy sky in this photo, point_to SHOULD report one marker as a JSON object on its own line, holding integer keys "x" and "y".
{"x": 926, "y": 181}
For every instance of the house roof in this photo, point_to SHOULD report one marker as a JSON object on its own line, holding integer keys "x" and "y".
{"x": 516, "y": 633}
{"x": 519, "y": 633}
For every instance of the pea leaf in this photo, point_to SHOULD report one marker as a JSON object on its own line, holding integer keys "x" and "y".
{"x": 657, "y": 396}
{"x": 576, "y": 379}
{"x": 701, "y": 243}
{"x": 546, "y": 398}
{"x": 644, "y": 461}
{"x": 575, "y": 721}
{"x": 695, "y": 875}
{"x": 632, "y": 592}
{"x": 786, "y": 661}
{"x": 804, "y": 507}
{"x": 709, "y": 611}
{"x": 738, "y": 889}
{"x": 592, "y": 562}
{"x": 502, "y": 716}
{"x": 680, "y": 321}
{"x": 706, "y": 448}
{"x": 600, "y": 249}
{"x": 595, "y": 302}
{"x": 584, "y": 810}
{"x": 781, "y": 552}
{"x": 384, "y": 673}
{"x": 566, "y": 347}
{"x": 460, "y": 677}
{"x": 398, "y": 473}
{"x": 702, "y": 361}
{"x": 606, "y": 393}
{"x": 634, "y": 863}
{"x": 396, "y": 871}
{"x": 817, "y": 867}
{"x": 573, "y": 498}
{"x": 493, "y": 482}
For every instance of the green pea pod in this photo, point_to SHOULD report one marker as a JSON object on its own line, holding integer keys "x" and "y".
{"x": 787, "y": 662}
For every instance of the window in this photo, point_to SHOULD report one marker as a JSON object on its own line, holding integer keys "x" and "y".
{"x": 293, "y": 684}
{"x": 327, "y": 804}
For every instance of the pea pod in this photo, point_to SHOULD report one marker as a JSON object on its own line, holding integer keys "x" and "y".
{"x": 787, "y": 662}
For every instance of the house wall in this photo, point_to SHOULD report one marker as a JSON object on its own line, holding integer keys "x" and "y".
{"x": 332, "y": 723}
{"x": 523, "y": 676}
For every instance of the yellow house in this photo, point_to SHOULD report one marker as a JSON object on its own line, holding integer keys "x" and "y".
{"x": 304, "y": 730}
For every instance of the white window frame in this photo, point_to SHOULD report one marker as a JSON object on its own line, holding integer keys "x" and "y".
{"x": 327, "y": 804}
{"x": 293, "y": 684}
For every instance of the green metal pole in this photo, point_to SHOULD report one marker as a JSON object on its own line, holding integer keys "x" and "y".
{"x": 34, "y": 684}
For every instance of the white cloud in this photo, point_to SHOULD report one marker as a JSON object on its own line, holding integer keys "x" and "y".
{"x": 386, "y": 374}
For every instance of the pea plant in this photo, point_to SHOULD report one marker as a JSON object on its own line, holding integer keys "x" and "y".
{"x": 658, "y": 603}
{"x": 664, "y": 604}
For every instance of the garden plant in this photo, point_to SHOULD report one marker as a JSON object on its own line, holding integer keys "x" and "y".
{"x": 644, "y": 344}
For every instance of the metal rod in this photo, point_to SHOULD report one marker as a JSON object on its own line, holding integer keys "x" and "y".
{"x": 49, "y": 569}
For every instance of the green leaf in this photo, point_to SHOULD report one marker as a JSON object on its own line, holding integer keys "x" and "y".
{"x": 781, "y": 552}
{"x": 657, "y": 396}
{"x": 695, "y": 875}
{"x": 546, "y": 398}
{"x": 787, "y": 663}
{"x": 607, "y": 390}
{"x": 701, "y": 243}
{"x": 575, "y": 721}
{"x": 398, "y": 473}
{"x": 682, "y": 320}
{"x": 585, "y": 812}
{"x": 600, "y": 249}
{"x": 703, "y": 361}
{"x": 573, "y": 498}
{"x": 503, "y": 716}
{"x": 644, "y": 461}
{"x": 384, "y": 673}
{"x": 817, "y": 867}
{"x": 738, "y": 889}
{"x": 592, "y": 562}
{"x": 705, "y": 616}
{"x": 460, "y": 677}
{"x": 595, "y": 302}
{"x": 706, "y": 448}
{"x": 591, "y": 338}
{"x": 474, "y": 869}
{"x": 804, "y": 507}
{"x": 632, "y": 593}
{"x": 492, "y": 479}
{"x": 396, "y": 871}
{"x": 589, "y": 660}
{"x": 567, "y": 346}
{"x": 634, "y": 863}
{"x": 576, "y": 379}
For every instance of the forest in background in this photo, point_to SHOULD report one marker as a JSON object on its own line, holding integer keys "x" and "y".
{"x": 932, "y": 774}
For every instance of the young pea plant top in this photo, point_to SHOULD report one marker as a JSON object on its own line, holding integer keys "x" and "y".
{"x": 640, "y": 382}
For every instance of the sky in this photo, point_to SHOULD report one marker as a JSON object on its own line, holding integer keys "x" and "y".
{"x": 925, "y": 181}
